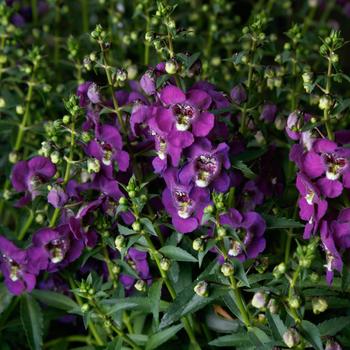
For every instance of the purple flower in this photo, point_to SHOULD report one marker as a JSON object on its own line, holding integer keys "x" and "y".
{"x": 184, "y": 202}
{"x": 329, "y": 163}
{"x": 60, "y": 246}
{"x": 88, "y": 93}
{"x": 251, "y": 196}
{"x": 107, "y": 147}
{"x": 268, "y": 113}
{"x": 333, "y": 258}
{"x": 57, "y": 197}
{"x": 238, "y": 94}
{"x": 312, "y": 206}
{"x": 341, "y": 229}
{"x": 19, "y": 266}
{"x": 168, "y": 140}
{"x": 295, "y": 123}
{"x": 27, "y": 176}
{"x": 206, "y": 165}
{"x": 138, "y": 261}
{"x": 249, "y": 229}
{"x": 189, "y": 110}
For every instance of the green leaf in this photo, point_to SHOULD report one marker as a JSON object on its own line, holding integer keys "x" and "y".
{"x": 258, "y": 336}
{"x": 161, "y": 80}
{"x": 125, "y": 231}
{"x": 149, "y": 226}
{"x": 177, "y": 254}
{"x": 57, "y": 300}
{"x": 240, "y": 273}
{"x": 115, "y": 344}
{"x": 238, "y": 339}
{"x": 5, "y": 297}
{"x": 161, "y": 337}
{"x": 273, "y": 222}
{"x": 32, "y": 321}
{"x": 276, "y": 324}
{"x": 311, "y": 333}
{"x": 333, "y": 326}
{"x": 247, "y": 172}
{"x": 154, "y": 296}
{"x": 250, "y": 154}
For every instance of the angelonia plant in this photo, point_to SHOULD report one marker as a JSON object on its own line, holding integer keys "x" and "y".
{"x": 174, "y": 174}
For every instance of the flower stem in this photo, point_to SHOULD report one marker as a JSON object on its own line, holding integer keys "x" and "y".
{"x": 26, "y": 226}
{"x": 185, "y": 320}
{"x": 34, "y": 5}
{"x": 85, "y": 14}
{"x": 70, "y": 339}
{"x": 249, "y": 83}
{"x": 326, "y": 110}
{"x": 91, "y": 325}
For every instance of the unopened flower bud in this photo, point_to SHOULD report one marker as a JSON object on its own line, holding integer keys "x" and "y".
{"x": 13, "y": 157}
{"x": 291, "y": 337}
{"x": 198, "y": 245}
{"x": 123, "y": 201}
{"x": 132, "y": 194}
{"x": 332, "y": 345}
{"x": 279, "y": 270}
{"x": 227, "y": 269}
{"x": 2, "y": 102}
{"x": 171, "y": 67}
{"x": 165, "y": 264}
{"x": 39, "y": 218}
{"x": 334, "y": 57}
{"x": 93, "y": 165}
{"x": 116, "y": 269}
{"x": 259, "y": 300}
{"x": 66, "y": 119}
{"x": 140, "y": 285}
{"x": 208, "y": 209}
{"x": 294, "y": 302}
{"x": 119, "y": 242}
{"x": 201, "y": 289}
{"x": 314, "y": 277}
{"x": 259, "y": 137}
{"x": 280, "y": 122}
{"x": 325, "y": 102}
{"x": 273, "y": 306}
{"x": 136, "y": 226}
{"x": 238, "y": 94}
{"x": 19, "y": 109}
{"x": 307, "y": 77}
{"x": 221, "y": 231}
{"x": 92, "y": 56}
{"x": 55, "y": 157}
{"x": 84, "y": 308}
{"x": 319, "y": 305}
{"x": 121, "y": 75}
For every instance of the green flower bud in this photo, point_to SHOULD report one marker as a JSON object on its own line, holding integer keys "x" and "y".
{"x": 307, "y": 77}
{"x": 123, "y": 201}
{"x": 171, "y": 67}
{"x": 227, "y": 269}
{"x": 39, "y": 219}
{"x": 119, "y": 242}
{"x": 201, "y": 289}
{"x": 280, "y": 122}
{"x": 136, "y": 226}
{"x": 2, "y": 102}
{"x": 325, "y": 102}
{"x": 66, "y": 119}
{"x": 259, "y": 300}
{"x": 291, "y": 337}
{"x": 84, "y": 308}
{"x": 19, "y": 109}
{"x": 140, "y": 285}
{"x": 221, "y": 231}
{"x": 132, "y": 194}
{"x": 273, "y": 306}
{"x": 13, "y": 157}
{"x": 319, "y": 305}
{"x": 116, "y": 269}
{"x": 198, "y": 245}
{"x": 209, "y": 209}
{"x": 294, "y": 302}
{"x": 165, "y": 264}
{"x": 55, "y": 157}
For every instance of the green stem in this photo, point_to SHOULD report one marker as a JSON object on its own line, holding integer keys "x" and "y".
{"x": 2, "y": 45}
{"x": 91, "y": 325}
{"x": 185, "y": 320}
{"x": 34, "y": 5}
{"x": 56, "y": 52}
{"x": 249, "y": 82}
{"x": 26, "y": 226}
{"x": 85, "y": 14}
{"x": 290, "y": 292}
{"x": 326, "y": 111}
{"x": 147, "y": 44}
{"x": 70, "y": 339}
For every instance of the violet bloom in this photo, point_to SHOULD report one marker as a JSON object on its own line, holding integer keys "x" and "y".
{"x": 19, "y": 266}
{"x": 312, "y": 206}
{"x": 88, "y": 92}
{"x": 168, "y": 140}
{"x": 295, "y": 123}
{"x": 329, "y": 163}
{"x": 189, "y": 110}
{"x": 27, "y": 176}
{"x": 333, "y": 258}
{"x": 107, "y": 147}
{"x": 206, "y": 165}
{"x": 341, "y": 229}
{"x": 268, "y": 113}
{"x": 238, "y": 94}
{"x": 57, "y": 197}
{"x": 184, "y": 202}
{"x": 59, "y": 245}
{"x": 249, "y": 228}
{"x": 251, "y": 196}
{"x": 138, "y": 261}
